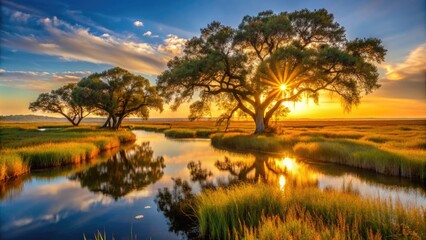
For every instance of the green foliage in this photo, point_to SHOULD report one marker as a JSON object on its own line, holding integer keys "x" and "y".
{"x": 264, "y": 212}
{"x": 245, "y": 69}
{"x": 60, "y": 101}
{"x": 118, "y": 94}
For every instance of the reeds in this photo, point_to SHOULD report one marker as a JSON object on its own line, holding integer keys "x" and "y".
{"x": 390, "y": 151}
{"x": 264, "y": 212}
{"x": 188, "y": 133}
{"x": 12, "y": 165}
{"x": 244, "y": 142}
{"x": 25, "y": 149}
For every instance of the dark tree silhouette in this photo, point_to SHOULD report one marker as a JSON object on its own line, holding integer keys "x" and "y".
{"x": 177, "y": 206}
{"x": 128, "y": 170}
{"x": 263, "y": 169}
{"x": 268, "y": 60}
{"x": 61, "y": 101}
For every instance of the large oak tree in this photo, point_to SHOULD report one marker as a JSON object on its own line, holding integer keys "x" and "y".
{"x": 118, "y": 94}
{"x": 61, "y": 101}
{"x": 268, "y": 60}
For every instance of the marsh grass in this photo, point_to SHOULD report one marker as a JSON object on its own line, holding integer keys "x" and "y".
{"x": 149, "y": 128}
{"x": 384, "y": 149}
{"x": 188, "y": 133}
{"x": 12, "y": 165}
{"x": 26, "y": 149}
{"x": 264, "y": 212}
{"x": 244, "y": 142}
{"x": 180, "y": 133}
{"x": 362, "y": 156}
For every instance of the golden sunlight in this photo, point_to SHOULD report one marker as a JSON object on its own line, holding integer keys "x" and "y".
{"x": 282, "y": 182}
{"x": 289, "y": 164}
{"x": 283, "y": 87}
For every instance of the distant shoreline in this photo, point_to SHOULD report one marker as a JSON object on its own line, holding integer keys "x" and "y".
{"x": 38, "y": 118}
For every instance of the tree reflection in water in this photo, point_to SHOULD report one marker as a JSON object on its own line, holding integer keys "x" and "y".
{"x": 283, "y": 171}
{"x": 178, "y": 203}
{"x": 177, "y": 206}
{"x": 128, "y": 170}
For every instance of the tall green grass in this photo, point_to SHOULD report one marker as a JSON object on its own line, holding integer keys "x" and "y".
{"x": 188, "y": 133}
{"x": 180, "y": 133}
{"x": 389, "y": 154}
{"x": 264, "y": 212}
{"x": 53, "y": 155}
{"x": 261, "y": 143}
{"x": 25, "y": 149}
{"x": 363, "y": 156}
{"x": 12, "y": 165}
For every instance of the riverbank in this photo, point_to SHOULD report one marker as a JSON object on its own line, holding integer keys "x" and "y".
{"x": 26, "y": 149}
{"x": 390, "y": 147}
{"x": 265, "y": 212}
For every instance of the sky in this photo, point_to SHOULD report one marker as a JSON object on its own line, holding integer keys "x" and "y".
{"x": 45, "y": 44}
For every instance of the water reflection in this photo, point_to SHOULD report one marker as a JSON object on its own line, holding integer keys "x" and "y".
{"x": 128, "y": 170}
{"x": 177, "y": 205}
{"x": 284, "y": 171}
{"x": 112, "y": 192}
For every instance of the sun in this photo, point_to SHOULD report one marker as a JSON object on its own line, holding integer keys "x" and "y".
{"x": 283, "y": 87}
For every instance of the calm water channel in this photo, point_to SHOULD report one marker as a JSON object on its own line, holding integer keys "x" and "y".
{"x": 118, "y": 193}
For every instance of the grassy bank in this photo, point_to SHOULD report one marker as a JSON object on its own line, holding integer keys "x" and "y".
{"x": 188, "y": 133}
{"x": 26, "y": 149}
{"x": 265, "y": 212}
{"x": 392, "y": 150}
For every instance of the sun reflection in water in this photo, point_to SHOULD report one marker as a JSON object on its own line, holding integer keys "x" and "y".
{"x": 292, "y": 173}
{"x": 288, "y": 164}
{"x": 282, "y": 182}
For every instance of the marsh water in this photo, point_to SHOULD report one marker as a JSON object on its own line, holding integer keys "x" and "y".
{"x": 118, "y": 193}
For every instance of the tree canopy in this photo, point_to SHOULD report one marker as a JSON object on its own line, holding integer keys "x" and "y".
{"x": 268, "y": 60}
{"x": 118, "y": 94}
{"x": 60, "y": 101}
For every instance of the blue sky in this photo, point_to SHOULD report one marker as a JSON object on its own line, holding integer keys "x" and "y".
{"x": 47, "y": 43}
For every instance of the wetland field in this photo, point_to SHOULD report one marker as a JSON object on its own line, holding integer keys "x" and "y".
{"x": 172, "y": 180}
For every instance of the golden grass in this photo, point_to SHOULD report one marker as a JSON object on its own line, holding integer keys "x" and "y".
{"x": 264, "y": 212}
{"x": 23, "y": 149}
{"x": 392, "y": 148}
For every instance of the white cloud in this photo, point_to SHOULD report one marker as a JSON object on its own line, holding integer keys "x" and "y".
{"x": 149, "y": 34}
{"x": 46, "y": 20}
{"x": 77, "y": 43}
{"x": 20, "y": 16}
{"x": 413, "y": 68}
{"x": 173, "y": 45}
{"x": 39, "y": 81}
{"x": 106, "y": 35}
{"x": 138, "y": 23}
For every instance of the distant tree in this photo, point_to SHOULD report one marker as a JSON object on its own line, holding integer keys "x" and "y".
{"x": 60, "y": 101}
{"x": 268, "y": 60}
{"x": 118, "y": 94}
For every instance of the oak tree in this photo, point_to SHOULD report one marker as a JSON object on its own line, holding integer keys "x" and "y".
{"x": 118, "y": 94}
{"x": 270, "y": 59}
{"x": 61, "y": 101}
